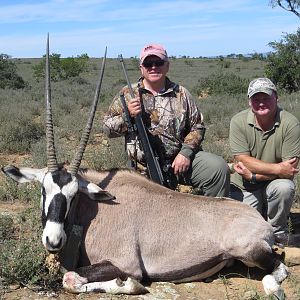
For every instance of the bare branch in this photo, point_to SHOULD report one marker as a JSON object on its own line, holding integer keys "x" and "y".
{"x": 288, "y": 5}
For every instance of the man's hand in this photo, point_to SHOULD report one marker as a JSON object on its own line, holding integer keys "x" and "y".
{"x": 134, "y": 107}
{"x": 241, "y": 169}
{"x": 288, "y": 168}
{"x": 180, "y": 164}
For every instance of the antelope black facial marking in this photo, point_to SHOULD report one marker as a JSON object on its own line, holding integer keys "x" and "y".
{"x": 58, "y": 204}
{"x": 61, "y": 178}
{"x": 44, "y": 217}
{"x": 12, "y": 170}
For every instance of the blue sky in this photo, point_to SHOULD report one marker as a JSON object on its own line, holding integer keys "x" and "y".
{"x": 192, "y": 28}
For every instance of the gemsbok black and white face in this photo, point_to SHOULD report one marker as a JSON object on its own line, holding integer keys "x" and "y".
{"x": 58, "y": 190}
{"x": 59, "y": 185}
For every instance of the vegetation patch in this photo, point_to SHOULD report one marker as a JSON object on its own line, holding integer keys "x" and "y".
{"x": 222, "y": 83}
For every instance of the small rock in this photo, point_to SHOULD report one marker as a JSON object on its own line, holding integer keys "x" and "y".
{"x": 292, "y": 256}
{"x": 13, "y": 287}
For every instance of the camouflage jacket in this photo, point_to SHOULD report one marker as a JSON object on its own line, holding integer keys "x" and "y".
{"x": 172, "y": 118}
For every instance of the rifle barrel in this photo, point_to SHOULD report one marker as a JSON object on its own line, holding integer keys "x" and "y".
{"x": 154, "y": 169}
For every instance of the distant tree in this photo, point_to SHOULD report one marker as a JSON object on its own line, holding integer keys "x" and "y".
{"x": 62, "y": 68}
{"x": 284, "y": 64}
{"x": 231, "y": 55}
{"x": 240, "y": 56}
{"x": 258, "y": 56}
{"x": 39, "y": 69}
{"x": 8, "y": 74}
{"x": 73, "y": 67}
{"x": 289, "y": 5}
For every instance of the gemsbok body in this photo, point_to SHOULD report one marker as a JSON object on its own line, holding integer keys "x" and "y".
{"x": 135, "y": 230}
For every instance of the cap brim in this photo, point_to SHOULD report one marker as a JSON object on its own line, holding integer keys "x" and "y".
{"x": 262, "y": 90}
{"x": 163, "y": 57}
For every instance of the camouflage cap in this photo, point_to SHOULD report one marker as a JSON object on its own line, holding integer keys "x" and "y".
{"x": 261, "y": 85}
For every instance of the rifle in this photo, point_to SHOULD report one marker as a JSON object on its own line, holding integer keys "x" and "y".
{"x": 153, "y": 166}
{"x": 130, "y": 126}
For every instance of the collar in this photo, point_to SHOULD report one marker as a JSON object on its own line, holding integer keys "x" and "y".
{"x": 170, "y": 86}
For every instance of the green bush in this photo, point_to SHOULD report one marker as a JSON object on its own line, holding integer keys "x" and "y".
{"x": 8, "y": 74}
{"x": 73, "y": 67}
{"x": 284, "y": 64}
{"x": 23, "y": 261}
{"x": 22, "y": 255}
{"x": 9, "y": 191}
{"x": 17, "y": 136}
{"x": 61, "y": 68}
{"x": 111, "y": 154}
{"x": 6, "y": 228}
{"x": 222, "y": 83}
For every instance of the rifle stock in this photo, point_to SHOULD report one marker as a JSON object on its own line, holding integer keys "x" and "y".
{"x": 153, "y": 166}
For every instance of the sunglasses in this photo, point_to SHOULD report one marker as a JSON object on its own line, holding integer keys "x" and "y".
{"x": 150, "y": 64}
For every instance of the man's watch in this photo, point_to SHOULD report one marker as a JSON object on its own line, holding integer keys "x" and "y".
{"x": 253, "y": 179}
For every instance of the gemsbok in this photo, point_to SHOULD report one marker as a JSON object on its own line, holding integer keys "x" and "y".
{"x": 135, "y": 230}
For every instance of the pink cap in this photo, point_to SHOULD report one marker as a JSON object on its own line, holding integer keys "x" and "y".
{"x": 153, "y": 49}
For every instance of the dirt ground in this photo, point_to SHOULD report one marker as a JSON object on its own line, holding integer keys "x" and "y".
{"x": 236, "y": 282}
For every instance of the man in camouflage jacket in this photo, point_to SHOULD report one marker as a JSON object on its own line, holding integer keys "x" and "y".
{"x": 175, "y": 125}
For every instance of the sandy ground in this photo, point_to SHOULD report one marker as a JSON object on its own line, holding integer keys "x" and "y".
{"x": 235, "y": 285}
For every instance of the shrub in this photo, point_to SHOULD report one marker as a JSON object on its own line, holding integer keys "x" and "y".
{"x": 39, "y": 155}
{"x": 73, "y": 67}
{"x": 54, "y": 61}
{"x": 61, "y": 68}
{"x": 222, "y": 83}
{"x": 22, "y": 254}
{"x": 110, "y": 154}
{"x": 17, "y": 136}
{"x": 7, "y": 230}
{"x": 284, "y": 64}
{"x": 9, "y": 191}
{"x": 8, "y": 74}
{"x": 22, "y": 261}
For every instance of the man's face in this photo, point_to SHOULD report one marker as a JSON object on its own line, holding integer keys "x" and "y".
{"x": 154, "y": 69}
{"x": 263, "y": 105}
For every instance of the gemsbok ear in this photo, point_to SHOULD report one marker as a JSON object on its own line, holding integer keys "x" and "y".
{"x": 22, "y": 175}
{"x": 93, "y": 191}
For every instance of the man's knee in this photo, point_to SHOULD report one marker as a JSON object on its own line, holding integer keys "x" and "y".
{"x": 280, "y": 194}
{"x": 219, "y": 165}
{"x": 211, "y": 173}
{"x": 283, "y": 189}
